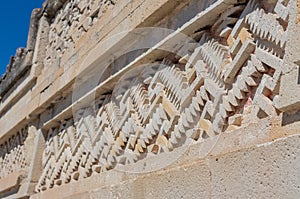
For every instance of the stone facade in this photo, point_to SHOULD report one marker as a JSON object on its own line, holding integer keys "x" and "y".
{"x": 154, "y": 99}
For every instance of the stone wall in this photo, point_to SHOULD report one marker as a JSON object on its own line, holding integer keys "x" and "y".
{"x": 154, "y": 99}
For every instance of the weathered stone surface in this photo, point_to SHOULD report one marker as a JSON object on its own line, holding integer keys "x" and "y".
{"x": 153, "y": 99}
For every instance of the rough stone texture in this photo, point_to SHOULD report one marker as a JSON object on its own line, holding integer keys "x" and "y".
{"x": 270, "y": 170}
{"x": 153, "y": 99}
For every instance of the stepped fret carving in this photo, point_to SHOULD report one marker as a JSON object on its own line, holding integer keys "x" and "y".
{"x": 70, "y": 23}
{"x": 229, "y": 80}
{"x": 12, "y": 154}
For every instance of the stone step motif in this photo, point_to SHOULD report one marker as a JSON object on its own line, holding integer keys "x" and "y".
{"x": 232, "y": 75}
{"x": 13, "y": 155}
{"x": 71, "y": 22}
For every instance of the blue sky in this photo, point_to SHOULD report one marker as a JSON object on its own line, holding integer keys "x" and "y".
{"x": 14, "y": 23}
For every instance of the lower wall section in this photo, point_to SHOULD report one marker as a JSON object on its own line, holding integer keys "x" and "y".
{"x": 189, "y": 181}
{"x": 269, "y": 170}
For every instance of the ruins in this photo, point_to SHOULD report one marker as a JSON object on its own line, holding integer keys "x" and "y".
{"x": 154, "y": 99}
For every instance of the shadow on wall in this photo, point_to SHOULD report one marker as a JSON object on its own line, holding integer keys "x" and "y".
{"x": 289, "y": 118}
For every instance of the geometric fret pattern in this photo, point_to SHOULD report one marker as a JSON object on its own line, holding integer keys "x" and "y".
{"x": 12, "y": 154}
{"x": 232, "y": 74}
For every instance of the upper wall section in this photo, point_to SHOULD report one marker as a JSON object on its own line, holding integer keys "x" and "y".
{"x": 22, "y": 61}
{"x": 67, "y": 32}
